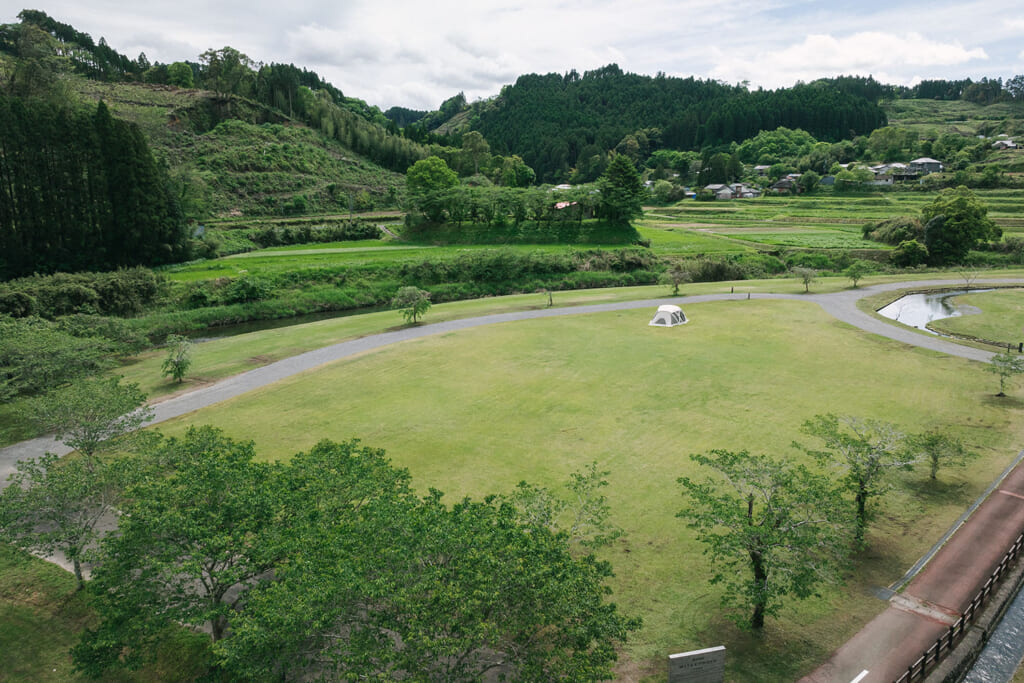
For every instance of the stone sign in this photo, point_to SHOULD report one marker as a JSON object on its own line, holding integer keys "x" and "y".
{"x": 698, "y": 666}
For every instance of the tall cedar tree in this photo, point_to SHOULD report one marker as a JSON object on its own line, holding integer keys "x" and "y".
{"x": 80, "y": 191}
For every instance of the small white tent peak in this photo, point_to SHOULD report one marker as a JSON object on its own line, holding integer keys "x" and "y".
{"x": 668, "y": 316}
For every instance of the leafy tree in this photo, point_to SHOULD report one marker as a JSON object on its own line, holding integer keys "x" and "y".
{"x": 772, "y": 530}
{"x": 381, "y": 583}
{"x": 180, "y": 74}
{"x": 662, "y": 191}
{"x": 939, "y": 449}
{"x": 808, "y": 181}
{"x": 865, "y": 450}
{"x": 806, "y": 275}
{"x": 622, "y": 192}
{"x": 515, "y": 173}
{"x": 426, "y": 181}
{"x": 581, "y": 513}
{"x": 675, "y": 276}
{"x": 413, "y": 301}
{"x": 56, "y": 505}
{"x": 855, "y": 271}
{"x": 476, "y": 149}
{"x": 1006, "y": 365}
{"x": 909, "y": 253}
{"x": 955, "y": 222}
{"x": 189, "y": 545}
{"x": 225, "y": 70}
{"x": 36, "y": 356}
{"x": 179, "y": 357}
{"x": 90, "y": 412}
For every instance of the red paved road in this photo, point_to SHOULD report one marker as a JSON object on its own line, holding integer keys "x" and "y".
{"x": 917, "y": 617}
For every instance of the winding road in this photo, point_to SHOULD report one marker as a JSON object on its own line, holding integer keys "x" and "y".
{"x": 842, "y": 305}
{"x": 940, "y": 584}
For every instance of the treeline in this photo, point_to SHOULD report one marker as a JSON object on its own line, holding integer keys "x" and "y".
{"x": 557, "y": 122}
{"x": 984, "y": 91}
{"x": 91, "y": 59}
{"x": 80, "y": 190}
{"x": 46, "y": 44}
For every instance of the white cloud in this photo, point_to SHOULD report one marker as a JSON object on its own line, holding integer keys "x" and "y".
{"x": 869, "y": 52}
{"x": 416, "y": 54}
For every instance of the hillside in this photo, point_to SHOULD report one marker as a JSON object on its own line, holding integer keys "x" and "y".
{"x": 556, "y": 122}
{"x": 258, "y": 162}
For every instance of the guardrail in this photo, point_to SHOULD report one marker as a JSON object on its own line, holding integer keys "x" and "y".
{"x": 930, "y": 659}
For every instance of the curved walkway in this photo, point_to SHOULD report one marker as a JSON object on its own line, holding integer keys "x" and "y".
{"x": 842, "y": 305}
{"x": 946, "y": 578}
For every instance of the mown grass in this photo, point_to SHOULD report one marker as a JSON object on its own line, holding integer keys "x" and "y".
{"x": 475, "y": 412}
{"x": 41, "y": 615}
{"x": 1001, "y": 318}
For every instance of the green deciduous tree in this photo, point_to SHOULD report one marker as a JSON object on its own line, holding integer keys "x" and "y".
{"x": 56, "y": 505}
{"x": 855, "y": 271}
{"x": 938, "y": 449}
{"x": 225, "y": 70}
{"x": 1005, "y": 365}
{"x": 413, "y": 302}
{"x": 190, "y": 544}
{"x": 955, "y": 222}
{"x": 90, "y": 412}
{"x": 865, "y": 451}
{"x": 427, "y": 181}
{"x": 772, "y": 530}
{"x": 675, "y": 276}
{"x": 806, "y": 275}
{"x": 179, "y": 357}
{"x": 180, "y": 74}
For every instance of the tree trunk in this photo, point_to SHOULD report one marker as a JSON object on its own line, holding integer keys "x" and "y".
{"x": 78, "y": 572}
{"x": 862, "y": 515}
{"x": 761, "y": 597}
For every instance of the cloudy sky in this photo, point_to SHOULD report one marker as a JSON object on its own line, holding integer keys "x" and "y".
{"x": 417, "y": 53}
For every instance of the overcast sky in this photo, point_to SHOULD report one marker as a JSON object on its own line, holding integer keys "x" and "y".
{"x": 418, "y": 53}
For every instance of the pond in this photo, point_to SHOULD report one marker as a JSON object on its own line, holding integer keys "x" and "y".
{"x": 917, "y": 310}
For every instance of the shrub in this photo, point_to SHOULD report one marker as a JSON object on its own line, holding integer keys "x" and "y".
{"x": 909, "y": 254}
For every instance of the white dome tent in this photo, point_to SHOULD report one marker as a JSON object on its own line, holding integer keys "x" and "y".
{"x": 668, "y": 316}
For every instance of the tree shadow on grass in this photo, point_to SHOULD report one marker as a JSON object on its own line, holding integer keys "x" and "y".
{"x": 1008, "y": 401}
{"x": 937, "y": 491}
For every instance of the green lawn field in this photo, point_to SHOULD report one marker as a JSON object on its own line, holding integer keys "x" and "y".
{"x": 1001, "y": 316}
{"x": 475, "y": 412}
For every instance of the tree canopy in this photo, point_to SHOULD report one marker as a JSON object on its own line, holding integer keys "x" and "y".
{"x": 80, "y": 190}
{"x": 955, "y": 222}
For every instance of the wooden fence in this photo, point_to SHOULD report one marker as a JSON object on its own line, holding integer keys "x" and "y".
{"x": 930, "y": 659}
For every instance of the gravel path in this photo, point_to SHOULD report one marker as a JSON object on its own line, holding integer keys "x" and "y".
{"x": 842, "y": 305}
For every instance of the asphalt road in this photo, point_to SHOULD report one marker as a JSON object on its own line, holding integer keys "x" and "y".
{"x": 842, "y": 305}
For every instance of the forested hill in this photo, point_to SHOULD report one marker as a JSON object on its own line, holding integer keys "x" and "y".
{"x": 556, "y": 122}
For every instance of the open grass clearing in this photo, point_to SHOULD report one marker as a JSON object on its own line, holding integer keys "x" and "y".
{"x": 474, "y": 412}
{"x": 1001, "y": 316}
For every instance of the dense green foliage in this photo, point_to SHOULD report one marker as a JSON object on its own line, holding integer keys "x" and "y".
{"x": 556, "y": 123}
{"x": 123, "y": 292}
{"x": 772, "y": 530}
{"x": 37, "y": 356}
{"x": 955, "y": 222}
{"x": 80, "y": 191}
{"x": 333, "y": 566}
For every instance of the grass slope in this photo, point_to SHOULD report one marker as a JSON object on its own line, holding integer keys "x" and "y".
{"x": 539, "y": 399}
{"x": 257, "y": 163}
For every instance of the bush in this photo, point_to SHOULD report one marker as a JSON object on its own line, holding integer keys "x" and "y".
{"x": 909, "y": 254}
{"x": 894, "y": 230}
{"x": 246, "y": 289}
